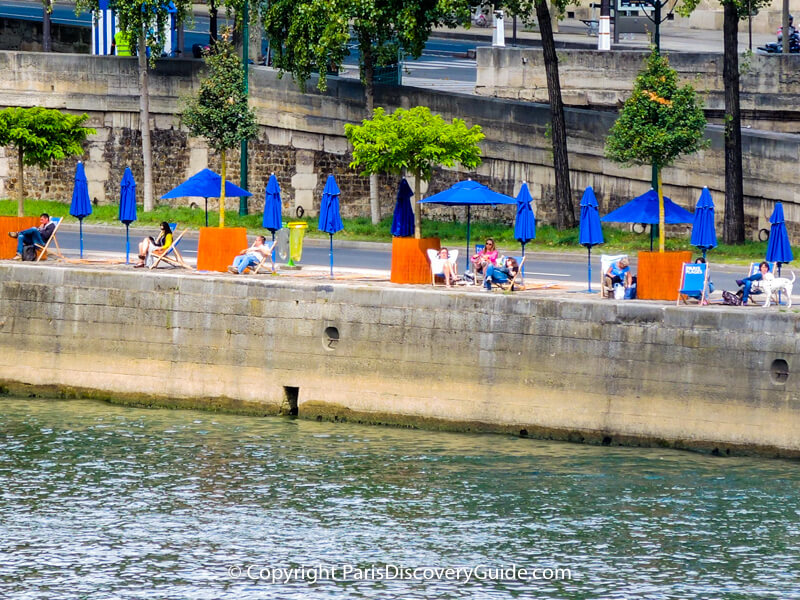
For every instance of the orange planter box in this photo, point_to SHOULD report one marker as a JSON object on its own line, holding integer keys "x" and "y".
{"x": 218, "y": 246}
{"x": 659, "y": 274}
{"x": 410, "y": 259}
{"x": 8, "y": 246}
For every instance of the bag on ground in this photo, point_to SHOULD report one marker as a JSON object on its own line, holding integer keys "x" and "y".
{"x": 731, "y": 299}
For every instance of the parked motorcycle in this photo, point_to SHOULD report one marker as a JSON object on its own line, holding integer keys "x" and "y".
{"x": 777, "y": 47}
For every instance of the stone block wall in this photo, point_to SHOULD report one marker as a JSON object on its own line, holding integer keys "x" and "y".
{"x": 570, "y": 368}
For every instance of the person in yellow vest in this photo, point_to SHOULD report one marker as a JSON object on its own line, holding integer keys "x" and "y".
{"x": 121, "y": 44}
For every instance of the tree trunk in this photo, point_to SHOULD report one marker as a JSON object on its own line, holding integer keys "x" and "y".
{"x": 212, "y": 23}
{"x": 565, "y": 211}
{"x": 222, "y": 192}
{"x": 369, "y": 97}
{"x": 47, "y": 6}
{"x": 661, "y": 218}
{"x": 21, "y": 180}
{"x": 417, "y": 206}
{"x": 733, "y": 224}
{"x": 785, "y": 28}
{"x": 144, "y": 124}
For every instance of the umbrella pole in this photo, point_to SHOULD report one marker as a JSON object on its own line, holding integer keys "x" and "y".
{"x": 127, "y": 244}
{"x": 523, "y": 261}
{"x": 651, "y": 237}
{"x": 206, "y": 212}
{"x": 704, "y": 254}
{"x": 331, "y": 253}
{"x": 779, "y": 292}
{"x": 466, "y": 254}
{"x": 589, "y": 269}
{"x": 272, "y": 254}
{"x": 80, "y": 221}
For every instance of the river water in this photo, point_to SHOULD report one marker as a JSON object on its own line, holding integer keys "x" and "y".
{"x": 101, "y": 501}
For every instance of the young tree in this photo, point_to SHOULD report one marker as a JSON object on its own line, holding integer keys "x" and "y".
{"x": 658, "y": 123}
{"x": 525, "y": 9}
{"x": 313, "y": 35}
{"x": 40, "y": 136}
{"x": 415, "y": 140}
{"x": 143, "y": 22}
{"x": 219, "y": 112}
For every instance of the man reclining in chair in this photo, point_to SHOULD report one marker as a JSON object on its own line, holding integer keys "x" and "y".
{"x": 35, "y": 236}
{"x": 250, "y": 257}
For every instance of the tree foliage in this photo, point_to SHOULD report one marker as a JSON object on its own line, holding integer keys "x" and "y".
{"x": 40, "y": 136}
{"x": 219, "y": 112}
{"x": 659, "y": 122}
{"x": 415, "y": 140}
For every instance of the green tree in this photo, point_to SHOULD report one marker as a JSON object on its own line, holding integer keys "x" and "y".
{"x": 658, "y": 123}
{"x": 219, "y": 112}
{"x": 40, "y": 136}
{"x": 313, "y": 36}
{"x": 733, "y": 12}
{"x": 526, "y": 9}
{"x": 143, "y": 22}
{"x": 414, "y": 140}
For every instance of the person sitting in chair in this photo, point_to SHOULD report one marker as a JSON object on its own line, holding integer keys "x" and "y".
{"x": 449, "y": 270}
{"x": 250, "y": 257}
{"x": 502, "y": 274}
{"x": 619, "y": 273}
{"x": 34, "y": 236}
{"x": 149, "y": 246}
{"x": 484, "y": 258}
{"x": 747, "y": 283}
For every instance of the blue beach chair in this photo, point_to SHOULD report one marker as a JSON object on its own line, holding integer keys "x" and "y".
{"x": 694, "y": 281}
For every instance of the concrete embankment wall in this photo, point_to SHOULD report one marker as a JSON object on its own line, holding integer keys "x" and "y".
{"x": 567, "y": 368}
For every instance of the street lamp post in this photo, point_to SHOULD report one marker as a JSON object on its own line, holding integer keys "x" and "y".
{"x": 245, "y": 68}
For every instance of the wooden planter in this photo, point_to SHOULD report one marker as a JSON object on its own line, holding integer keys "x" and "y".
{"x": 410, "y": 259}
{"x": 659, "y": 274}
{"x": 8, "y": 246}
{"x": 218, "y": 246}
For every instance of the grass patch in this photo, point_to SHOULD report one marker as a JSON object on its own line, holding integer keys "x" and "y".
{"x": 452, "y": 233}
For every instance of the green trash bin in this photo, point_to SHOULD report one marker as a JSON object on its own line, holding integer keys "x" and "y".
{"x": 297, "y": 230}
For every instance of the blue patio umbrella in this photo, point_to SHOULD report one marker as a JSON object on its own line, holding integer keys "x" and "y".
{"x": 525, "y": 221}
{"x": 779, "y": 250}
{"x": 205, "y": 184}
{"x": 468, "y": 193}
{"x": 127, "y": 207}
{"x": 272, "y": 208}
{"x": 403, "y": 219}
{"x": 81, "y": 206}
{"x": 644, "y": 209}
{"x": 704, "y": 234}
{"x": 591, "y": 233}
{"x": 330, "y": 221}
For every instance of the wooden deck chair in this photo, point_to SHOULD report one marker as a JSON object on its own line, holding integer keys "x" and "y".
{"x": 694, "y": 281}
{"x": 606, "y": 260}
{"x": 509, "y": 285}
{"x": 41, "y": 251}
{"x": 172, "y": 256}
{"x": 267, "y": 257}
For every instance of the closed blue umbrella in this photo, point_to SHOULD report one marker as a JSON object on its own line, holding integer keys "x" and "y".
{"x": 81, "y": 206}
{"x": 330, "y": 221}
{"x": 591, "y": 233}
{"x": 468, "y": 193}
{"x": 644, "y": 209}
{"x": 127, "y": 207}
{"x": 779, "y": 250}
{"x": 205, "y": 184}
{"x": 272, "y": 209}
{"x": 525, "y": 221}
{"x": 403, "y": 219}
{"x": 704, "y": 233}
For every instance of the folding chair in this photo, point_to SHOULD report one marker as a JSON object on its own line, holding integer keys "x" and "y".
{"x": 172, "y": 256}
{"x": 694, "y": 280}
{"x": 437, "y": 264}
{"x": 41, "y": 251}
{"x": 606, "y": 260}
{"x": 267, "y": 257}
{"x": 755, "y": 287}
{"x": 509, "y": 285}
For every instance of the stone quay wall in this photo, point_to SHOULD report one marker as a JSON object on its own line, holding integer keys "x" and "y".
{"x": 301, "y": 139}
{"x": 713, "y": 378}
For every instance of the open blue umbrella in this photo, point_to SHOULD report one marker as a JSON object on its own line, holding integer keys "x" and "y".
{"x": 704, "y": 233}
{"x": 525, "y": 221}
{"x": 779, "y": 250}
{"x": 127, "y": 207}
{"x": 403, "y": 219}
{"x": 205, "y": 184}
{"x": 468, "y": 193}
{"x": 272, "y": 208}
{"x": 81, "y": 206}
{"x": 644, "y": 209}
{"x": 591, "y": 233}
{"x": 330, "y": 221}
